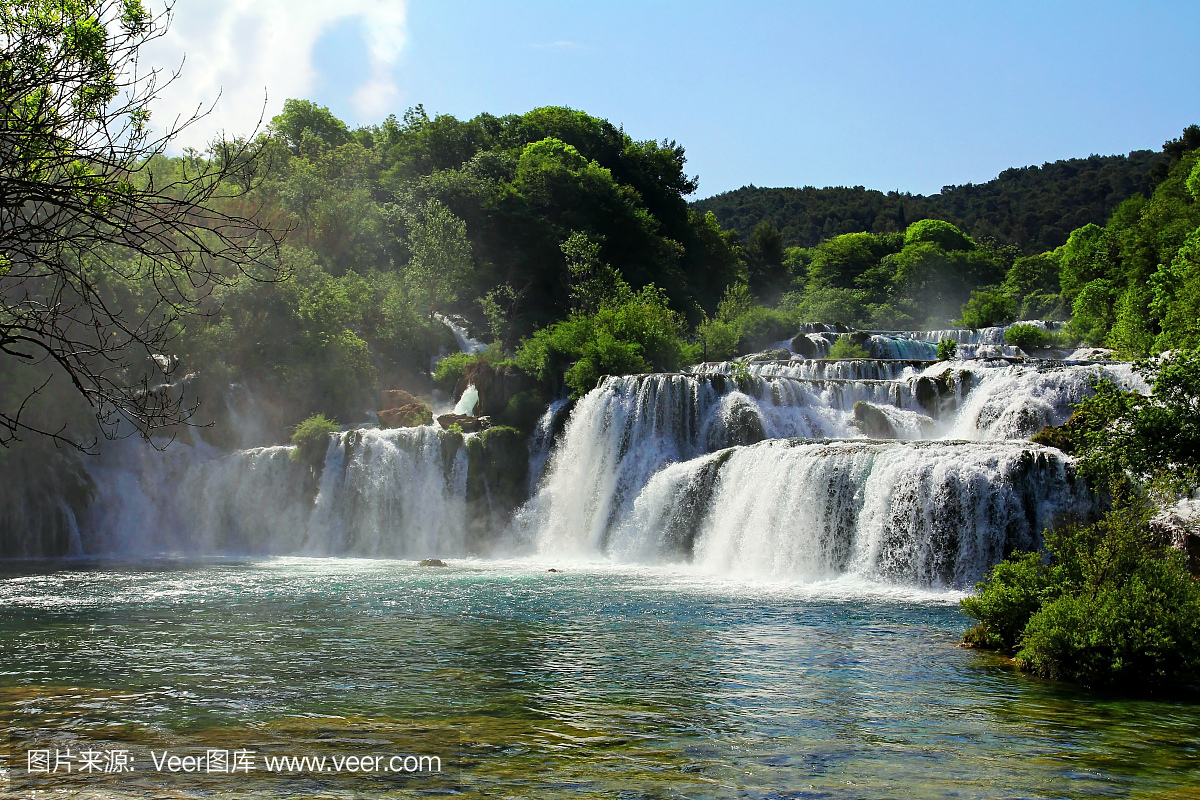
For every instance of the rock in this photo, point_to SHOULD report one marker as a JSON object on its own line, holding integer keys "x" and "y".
{"x": 433, "y": 562}
{"x": 805, "y": 346}
{"x": 396, "y": 398}
{"x": 741, "y": 424}
{"x": 873, "y": 422}
{"x": 406, "y": 416}
{"x": 467, "y": 424}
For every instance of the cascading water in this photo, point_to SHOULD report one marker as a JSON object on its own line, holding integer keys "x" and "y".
{"x": 726, "y": 467}
{"x": 390, "y": 493}
{"x": 933, "y": 514}
{"x": 640, "y": 474}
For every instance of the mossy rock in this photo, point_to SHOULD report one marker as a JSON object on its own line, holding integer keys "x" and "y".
{"x": 497, "y": 478}
{"x": 410, "y": 415}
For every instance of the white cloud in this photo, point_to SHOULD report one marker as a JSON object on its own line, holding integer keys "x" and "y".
{"x": 248, "y": 50}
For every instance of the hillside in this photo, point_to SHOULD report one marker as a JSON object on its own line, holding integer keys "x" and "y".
{"x": 1034, "y": 208}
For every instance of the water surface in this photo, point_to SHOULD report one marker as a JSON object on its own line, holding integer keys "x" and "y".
{"x": 596, "y": 681}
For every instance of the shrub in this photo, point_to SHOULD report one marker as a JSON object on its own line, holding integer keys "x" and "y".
{"x": 1004, "y": 602}
{"x": 311, "y": 438}
{"x": 947, "y": 350}
{"x": 760, "y": 326}
{"x": 638, "y": 335}
{"x": 1028, "y": 337}
{"x": 845, "y": 347}
{"x": 716, "y": 340}
{"x": 1115, "y": 607}
{"x": 1142, "y": 633}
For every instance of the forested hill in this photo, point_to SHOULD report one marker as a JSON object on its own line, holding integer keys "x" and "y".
{"x": 1034, "y": 208}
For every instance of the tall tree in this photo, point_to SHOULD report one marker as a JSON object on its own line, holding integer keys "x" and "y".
{"x": 441, "y": 254}
{"x": 765, "y": 260}
{"x": 86, "y": 199}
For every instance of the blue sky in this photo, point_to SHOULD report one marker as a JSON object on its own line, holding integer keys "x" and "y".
{"x": 908, "y": 96}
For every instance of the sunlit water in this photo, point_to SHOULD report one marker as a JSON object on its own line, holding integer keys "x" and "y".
{"x": 594, "y": 681}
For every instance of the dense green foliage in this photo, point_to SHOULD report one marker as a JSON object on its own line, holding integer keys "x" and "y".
{"x": 633, "y": 332}
{"x": 529, "y": 225}
{"x": 1114, "y": 604}
{"x": 1132, "y": 440}
{"x": 891, "y": 281}
{"x": 947, "y": 349}
{"x": 1030, "y": 338}
{"x": 1034, "y": 208}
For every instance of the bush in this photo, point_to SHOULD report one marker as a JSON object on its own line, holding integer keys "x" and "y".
{"x": 1003, "y": 604}
{"x": 988, "y": 308}
{"x": 638, "y": 335}
{"x": 1143, "y": 633}
{"x": 1028, "y": 337}
{"x": 947, "y": 350}
{"x": 716, "y": 340}
{"x": 311, "y": 438}
{"x": 845, "y": 347}
{"x": 1115, "y": 607}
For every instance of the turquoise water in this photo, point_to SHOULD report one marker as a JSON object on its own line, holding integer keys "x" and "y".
{"x": 595, "y": 681}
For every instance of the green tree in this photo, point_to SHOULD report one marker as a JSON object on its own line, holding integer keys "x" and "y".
{"x": 593, "y": 283}
{"x": 441, "y": 254}
{"x": 764, "y": 257}
{"x": 935, "y": 231}
{"x": 844, "y": 347}
{"x": 301, "y": 118}
{"x": 987, "y": 308}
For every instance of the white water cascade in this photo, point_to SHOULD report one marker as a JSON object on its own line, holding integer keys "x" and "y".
{"x": 393, "y": 493}
{"x": 897, "y": 469}
{"x": 932, "y": 514}
{"x": 716, "y": 467}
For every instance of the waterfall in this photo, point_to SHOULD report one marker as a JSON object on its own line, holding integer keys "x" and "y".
{"x": 892, "y": 468}
{"x": 933, "y": 514}
{"x": 386, "y": 493}
{"x": 468, "y": 401}
{"x": 465, "y": 343}
{"x": 395, "y": 493}
{"x": 541, "y": 442}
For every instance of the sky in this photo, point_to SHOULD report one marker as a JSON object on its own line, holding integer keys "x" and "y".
{"x": 910, "y": 96}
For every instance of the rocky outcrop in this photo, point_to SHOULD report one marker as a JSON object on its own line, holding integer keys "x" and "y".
{"x": 497, "y": 479}
{"x": 406, "y": 416}
{"x": 805, "y": 347}
{"x": 399, "y": 409}
{"x": 396, "y": 398}
{"x": 465, "y": 422}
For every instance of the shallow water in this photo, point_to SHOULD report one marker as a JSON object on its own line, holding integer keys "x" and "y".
{"x": 596, "y": 681}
